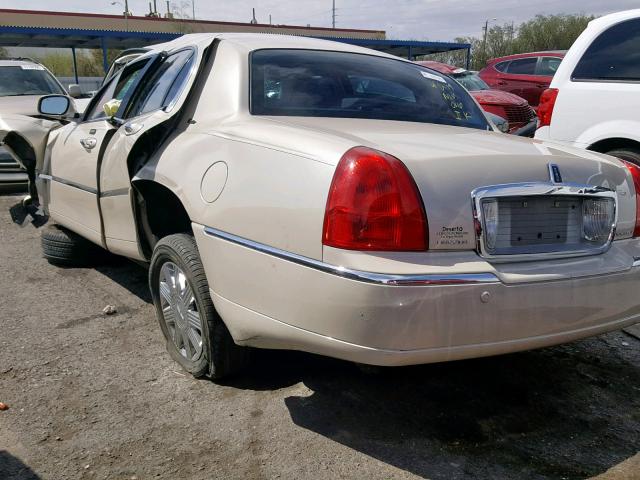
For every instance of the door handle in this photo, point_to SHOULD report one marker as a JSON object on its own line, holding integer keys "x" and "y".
{"x": 89, "y": 142}
{"x": 501, "y": 82}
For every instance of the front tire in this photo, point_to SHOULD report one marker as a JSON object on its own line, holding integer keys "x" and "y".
{"x": 61, "y": 246}
{"x": 196, "y": 336}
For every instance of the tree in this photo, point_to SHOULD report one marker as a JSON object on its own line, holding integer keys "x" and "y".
{"x": 4, "y": 53}
{"x": 544, "y": 32}
{"x": 89, "y": 62}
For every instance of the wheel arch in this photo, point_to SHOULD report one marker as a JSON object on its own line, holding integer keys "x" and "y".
{"x": 608, "y": 144}
{"x": 20, "y": 149}
{"x": 159, "y": 212}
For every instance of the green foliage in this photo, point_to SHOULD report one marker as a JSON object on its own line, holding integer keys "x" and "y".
{"x": 3, "y": 53}
{"x": 544, "y": 32}
{"x": 89, "y": 62}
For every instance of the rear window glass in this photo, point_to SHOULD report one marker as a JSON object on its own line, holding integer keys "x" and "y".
{"x": 31, "y": 79}
{"x": 523, "y": 66}
{"x": 614, "y": 55}
{"x": 316, "y": 83}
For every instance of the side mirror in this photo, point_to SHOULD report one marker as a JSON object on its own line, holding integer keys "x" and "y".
{"x": 74, "y": 90}
{"x": 54, "y": 105}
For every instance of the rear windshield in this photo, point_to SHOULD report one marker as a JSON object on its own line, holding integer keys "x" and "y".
{"x": 27, "y": 80}
{"x": 471, "y": 81}
{"x": 316, "y": 83}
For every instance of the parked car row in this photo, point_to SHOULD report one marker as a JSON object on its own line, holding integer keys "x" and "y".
{"x": 520, "y": 116}
{"x": 23, "y": 82}
{"x": 594, "y": 99}
{"x": 296, "y": 193}
{"x": 526, "y": 74}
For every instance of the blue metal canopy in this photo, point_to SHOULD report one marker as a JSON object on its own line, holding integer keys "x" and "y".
{"x": 11, "y": 36}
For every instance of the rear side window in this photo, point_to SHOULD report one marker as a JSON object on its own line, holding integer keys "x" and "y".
{"x": 548, "y": 66}
{"x": 317, "y": 83}
{"x": 614, "y": 55}
{"x": 523, "y": 66}
{"x": 502, "y": 66}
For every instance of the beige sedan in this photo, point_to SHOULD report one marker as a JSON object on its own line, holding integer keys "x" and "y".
{"x": 302, "y": 194}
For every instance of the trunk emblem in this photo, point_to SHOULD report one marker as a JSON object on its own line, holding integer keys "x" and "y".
{"x": 554, "y": 173}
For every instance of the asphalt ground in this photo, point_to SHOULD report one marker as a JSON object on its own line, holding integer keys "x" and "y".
{"x": 96, "y": 396}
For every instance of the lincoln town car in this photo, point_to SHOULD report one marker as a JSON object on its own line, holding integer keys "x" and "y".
{"x": 296, "y": 193}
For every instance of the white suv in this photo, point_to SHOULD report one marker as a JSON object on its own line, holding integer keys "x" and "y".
{"x": 594, "y": 98}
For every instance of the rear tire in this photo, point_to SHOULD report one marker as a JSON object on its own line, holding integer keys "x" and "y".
{"x": 196, "y": 336}
{"x": 64, "y": 247}
{"x": 629, "y": 154}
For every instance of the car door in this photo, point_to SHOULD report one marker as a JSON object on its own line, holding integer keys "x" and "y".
{"x": 520, "y": 78}
{"x": 156, "y": 100}
{"x": 73, "y": 193}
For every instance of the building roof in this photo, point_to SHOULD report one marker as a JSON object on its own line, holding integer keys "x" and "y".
{"x": 157, "y": 25}
{"x": 29, "y": 28}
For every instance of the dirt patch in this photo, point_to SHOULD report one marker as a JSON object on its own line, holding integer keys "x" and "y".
{"x": 97, "y": 396}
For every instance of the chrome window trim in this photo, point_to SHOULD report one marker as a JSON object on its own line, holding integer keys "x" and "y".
{"x": 537, "y": 189}
{"x": 197, "y": 59}
{"x": 359, "y": 275}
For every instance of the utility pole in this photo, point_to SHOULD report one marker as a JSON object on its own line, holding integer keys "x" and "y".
{"x": 333, "y": 15}
{"x": 484, "y": 41}
{"x": 193, "y": 9}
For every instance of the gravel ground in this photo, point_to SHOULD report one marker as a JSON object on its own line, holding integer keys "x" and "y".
{"x": 95, "y": 396}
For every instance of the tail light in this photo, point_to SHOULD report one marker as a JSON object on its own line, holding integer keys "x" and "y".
{"x": 374, "y": 204}
{"x": 635, "y": 174}
{"x": 545, "y": 108}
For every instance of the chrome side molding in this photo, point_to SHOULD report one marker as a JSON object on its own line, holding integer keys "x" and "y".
{"x": 358, "y": 275}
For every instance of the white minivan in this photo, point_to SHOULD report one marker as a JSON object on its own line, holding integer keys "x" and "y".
{"x": 594, "y": 98}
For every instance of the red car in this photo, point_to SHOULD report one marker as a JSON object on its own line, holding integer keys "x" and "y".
{"x": 514, "y": 109}
{"x": 525, "y": 74}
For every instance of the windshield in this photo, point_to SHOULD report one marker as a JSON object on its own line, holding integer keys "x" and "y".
{"x": 471, "y": 81}
{"x": 316, "y": 83}
{"x": 27, "y": 80}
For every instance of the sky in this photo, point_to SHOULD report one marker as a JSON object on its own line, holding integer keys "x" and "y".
{"x": 402, "y": 19}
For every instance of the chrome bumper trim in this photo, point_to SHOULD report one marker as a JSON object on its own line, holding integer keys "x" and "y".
{"x": 359, "y": 275}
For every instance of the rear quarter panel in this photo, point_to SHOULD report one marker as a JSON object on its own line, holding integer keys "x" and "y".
{"x": 263, "y": 194}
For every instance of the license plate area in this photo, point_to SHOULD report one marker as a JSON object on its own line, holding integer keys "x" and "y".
{"x": 533, "y": 221}
{"x": 537, "y": 224}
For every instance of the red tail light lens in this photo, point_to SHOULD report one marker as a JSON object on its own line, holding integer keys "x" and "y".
{"x": 545, "y": 108}
{"x": 374, "y": 204}
{"x": 635, "y": 174}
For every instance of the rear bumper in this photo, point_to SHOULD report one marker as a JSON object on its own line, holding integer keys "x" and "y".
{"x": 273, "y": 302}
